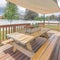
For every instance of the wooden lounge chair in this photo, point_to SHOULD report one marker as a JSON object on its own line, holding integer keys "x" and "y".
{"x": 46, "y": 49}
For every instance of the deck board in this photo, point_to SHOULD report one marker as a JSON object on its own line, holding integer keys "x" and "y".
{"x": 8, "y": 54}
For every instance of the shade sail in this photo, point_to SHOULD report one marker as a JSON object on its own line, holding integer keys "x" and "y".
{"x": 39, "y": 6}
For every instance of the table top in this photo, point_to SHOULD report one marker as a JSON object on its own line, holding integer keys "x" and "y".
{"x": 25, "y": 38}
{"x": 20, "y": 37}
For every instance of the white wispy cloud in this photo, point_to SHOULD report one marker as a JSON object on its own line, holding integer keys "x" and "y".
{"x": 21, "y": 8}
{"x": 3, "y": 3}
{"x": 58, "y": 1}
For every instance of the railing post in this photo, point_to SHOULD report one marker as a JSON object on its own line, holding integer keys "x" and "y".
{"x": 0, "y": 34}
{"x": 44, "y": 20}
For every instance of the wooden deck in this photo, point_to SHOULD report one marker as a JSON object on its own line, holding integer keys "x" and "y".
{"x": 6, "y": 52}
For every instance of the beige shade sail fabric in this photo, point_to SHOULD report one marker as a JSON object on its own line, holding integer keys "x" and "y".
{"x": 39, "y": 6}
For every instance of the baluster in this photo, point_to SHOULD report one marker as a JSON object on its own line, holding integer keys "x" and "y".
{"x": 0, "y": 34}
{"x": 3, "y": 33}
{"x": 9, "y": 29}
{"x": 6, "y": 32}
{"x": 14, "y": 28}
{"x": 18, "y": 28}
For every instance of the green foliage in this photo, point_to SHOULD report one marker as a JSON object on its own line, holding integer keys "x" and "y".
{"x": 42, "y": 18}
{"x": 11, "y": 12}
{"x": 47, "y": 18}
{"x": 30, "y": 15}
{"x": 39, "y": 18}
{"x": 52, "y": 17}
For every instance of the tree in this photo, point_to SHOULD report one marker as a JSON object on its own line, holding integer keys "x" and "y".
{"x": 30, "y": 15}
{"x": 47, "y": 18}
{"x": 11, "y": 12}
{"x": 41, "y": 18}
{"x": 52, "y": 17}
{"x": 37, "y": 18}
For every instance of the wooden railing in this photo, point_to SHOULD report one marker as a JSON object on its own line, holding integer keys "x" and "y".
{"x": 6, "y": 29}
{"x": 41, "y": 24}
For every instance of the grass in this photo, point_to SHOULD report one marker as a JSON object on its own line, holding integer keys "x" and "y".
{"x": 53, "y": 27}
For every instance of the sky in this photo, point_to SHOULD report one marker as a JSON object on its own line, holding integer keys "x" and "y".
{"x": 58, "y": 1}
{"x": 2, "y": 3}
{"x": 21, "y": 9}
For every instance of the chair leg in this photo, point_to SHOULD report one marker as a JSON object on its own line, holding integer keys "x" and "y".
{"x": 14, "y": 49}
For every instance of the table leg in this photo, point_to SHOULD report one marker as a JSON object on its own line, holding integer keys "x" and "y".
{"x": 29, "y": 47}
{"x": 14, "y": 49}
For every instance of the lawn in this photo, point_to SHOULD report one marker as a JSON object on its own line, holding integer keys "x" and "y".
{"x": 54, "y": 27}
